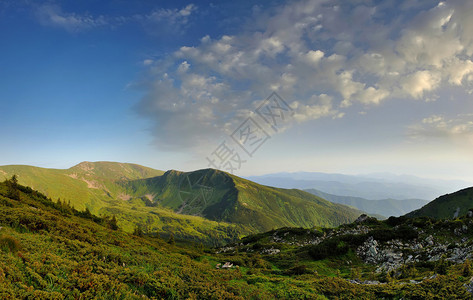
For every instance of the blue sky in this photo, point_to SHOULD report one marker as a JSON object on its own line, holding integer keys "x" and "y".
{"x": 370, "y": 86}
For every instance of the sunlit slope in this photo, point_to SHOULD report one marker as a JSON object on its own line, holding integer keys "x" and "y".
{"x": 99, "y": 186}
{"x": 88, "y": 184}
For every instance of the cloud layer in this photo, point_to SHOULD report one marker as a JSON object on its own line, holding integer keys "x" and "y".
{"x": 324, "y": 57}
{"x": 459, "y": 128}
{"x": 166, "y": 20}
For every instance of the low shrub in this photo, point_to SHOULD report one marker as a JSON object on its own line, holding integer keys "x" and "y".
{"x": 9, "y": 243}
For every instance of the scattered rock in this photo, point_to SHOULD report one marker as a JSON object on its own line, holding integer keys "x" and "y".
{"x": 457, "y": 212}
{"x": 270, "y": 251}
{"x": 361, "y": 218}
{"x": 469, "y": 286}
{"x": 227, "y": 265}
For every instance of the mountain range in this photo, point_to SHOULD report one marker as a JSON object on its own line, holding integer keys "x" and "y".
{"x": 383, "y": 207}
{"x": 371, "y": 186}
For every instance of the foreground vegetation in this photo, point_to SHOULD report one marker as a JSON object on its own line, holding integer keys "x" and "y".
{"x": 49, "y": 250}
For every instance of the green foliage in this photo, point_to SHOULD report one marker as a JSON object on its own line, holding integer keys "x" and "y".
{"x": 329, "y": 248}
{"x": 9, "y": 243}
{"x": 467, "y": 271}
{"x": 138, "y": 231}
{"x": 111, "y": 222}
{"x": 171, "y": 240}
{"x": 441, "y": 267}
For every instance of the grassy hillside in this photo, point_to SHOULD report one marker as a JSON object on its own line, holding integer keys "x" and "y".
{"x": 207, "y": 205}
{"x": 447, "y": 206}
{"x": 220, "y": 196}
{"x": 99, "y": 187}
{"x": 88, "y": 184}
{"x": 49, "y": 250}
{"x": 383, "y": 207}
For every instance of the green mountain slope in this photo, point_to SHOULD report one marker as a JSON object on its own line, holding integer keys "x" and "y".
{"x": 447, "y": 206}
{"x": 221, "y": 196}
{"x": 88, "y": 184}
{"x": 207, "y": 205}
{"x": 384, "y": 207}
{"x": 99, "y": 187}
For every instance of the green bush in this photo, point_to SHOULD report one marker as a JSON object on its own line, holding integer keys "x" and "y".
{"x": 329, "y": 248}
{"x": 9, "y": 243}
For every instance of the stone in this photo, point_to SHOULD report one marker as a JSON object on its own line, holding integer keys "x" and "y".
{"x": 361, "y": 218}
{"x": 372, "y": 251}
{"x": 457, "y": 212}
{"x": 227, "y": 265}
{"x": 469, "y": 286}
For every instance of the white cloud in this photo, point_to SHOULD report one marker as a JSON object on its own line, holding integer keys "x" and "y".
{"x": 147, "y": 62}
{"x": 420, "y": 82}
{"x": 166, "y": 20}
{"x": 354, "y": 53}
{"x": 52, "y": 15}
{"x": 174, "y": 16}
{"x": 317, "y": 107}
{"x": 459, "y": 128}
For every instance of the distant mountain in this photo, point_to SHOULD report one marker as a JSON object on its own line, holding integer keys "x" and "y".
{"x": 447, "y": 206}
{"x": 372, "y": 186}
{"x": 203, "y": 204}
{"x": 384, "y": 207}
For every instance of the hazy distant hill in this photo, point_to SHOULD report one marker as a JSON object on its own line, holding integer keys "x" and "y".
{"x": 372, "y": 186}
{"x": 200, "y": 204}
{"x": 384, "y": 207}
{"x": 447, "y": 206}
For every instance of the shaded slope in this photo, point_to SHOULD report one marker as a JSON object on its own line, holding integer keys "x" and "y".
{"x": 447, "y": 206}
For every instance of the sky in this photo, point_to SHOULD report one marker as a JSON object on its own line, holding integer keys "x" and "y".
{"x": 250, "y": 87}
